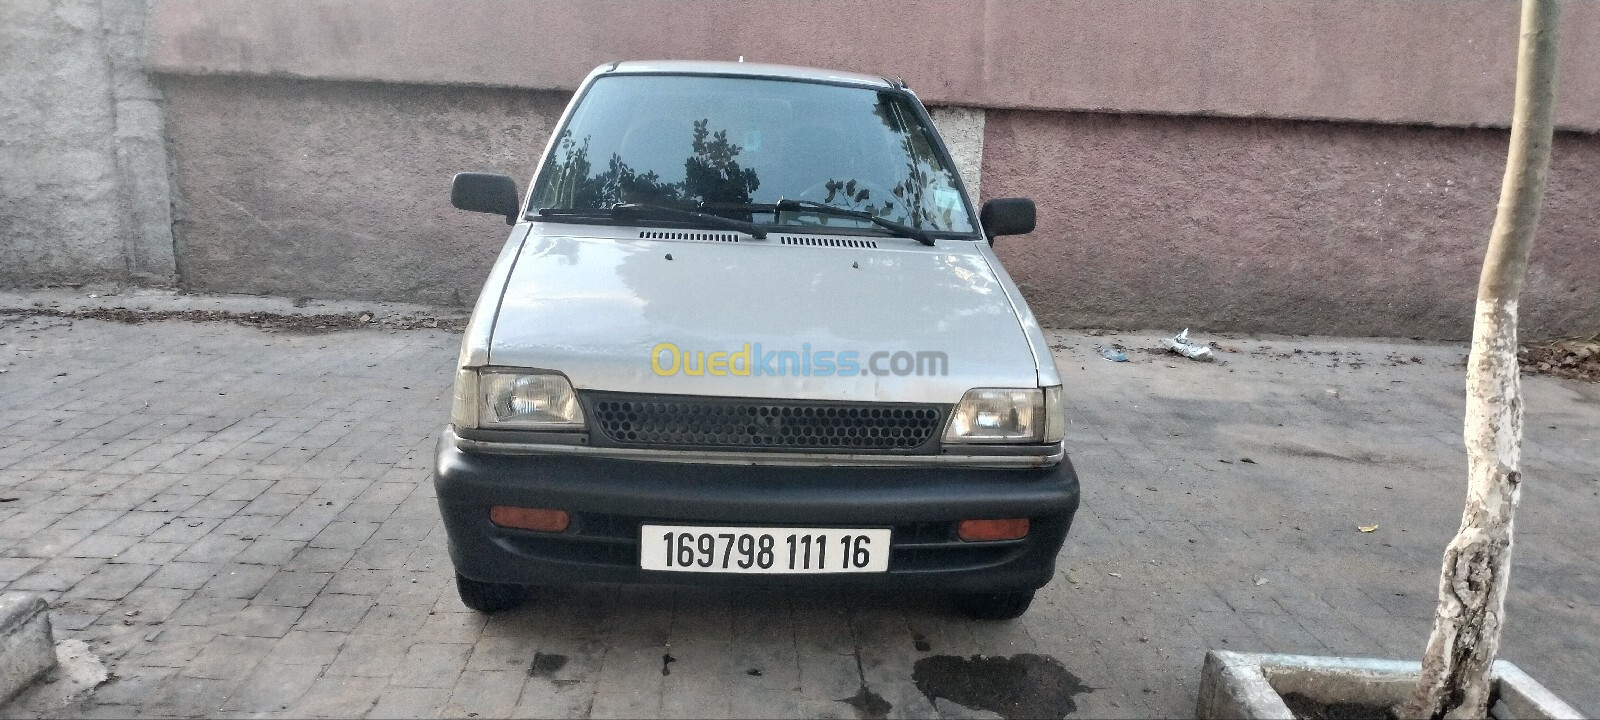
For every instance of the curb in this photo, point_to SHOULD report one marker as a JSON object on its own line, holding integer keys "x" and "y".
{"x": 27, "y": 648}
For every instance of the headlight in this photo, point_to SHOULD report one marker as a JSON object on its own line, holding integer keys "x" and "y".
{"x": 1000, "y": 415}
{"x": 519, "y": 401}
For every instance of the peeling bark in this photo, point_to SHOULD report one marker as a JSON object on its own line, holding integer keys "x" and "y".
{"x": 1477, "y": 563}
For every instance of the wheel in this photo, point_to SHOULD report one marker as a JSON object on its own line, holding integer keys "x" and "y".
{"x": 488, "y": 597}
{"x": 994, "y": 606}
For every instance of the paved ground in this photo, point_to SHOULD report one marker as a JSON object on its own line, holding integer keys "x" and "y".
{"x": 239, "y": 522}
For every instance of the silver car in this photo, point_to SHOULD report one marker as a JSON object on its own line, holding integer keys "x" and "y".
{"x": 748, "y": 329}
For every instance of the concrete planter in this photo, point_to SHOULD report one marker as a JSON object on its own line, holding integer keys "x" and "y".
{"x": 1249, "y": 685}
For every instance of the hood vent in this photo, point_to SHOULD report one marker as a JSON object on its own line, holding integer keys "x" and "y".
{"x": 827, "y": 241}
{"x": 700, "y": 236}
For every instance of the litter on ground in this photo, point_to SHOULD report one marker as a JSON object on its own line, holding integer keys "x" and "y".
{"x": 1182, "y": 345}
{"x": 1113, "y": 354}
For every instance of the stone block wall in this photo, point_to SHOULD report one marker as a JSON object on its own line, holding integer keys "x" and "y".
{"x": 84, "y": 181}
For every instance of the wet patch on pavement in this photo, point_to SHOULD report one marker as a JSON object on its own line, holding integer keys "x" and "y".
{"x": 868, "y": 704}
{"x": 546, "y": 665}
{"x": 1021, "y": 686}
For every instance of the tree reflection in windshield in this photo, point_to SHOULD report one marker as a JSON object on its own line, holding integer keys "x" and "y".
{"x": 919, "y": 178}
{"x": 748, "y": 141}
{"x": 843, "y": 193}
{"x": 711, "y": 175}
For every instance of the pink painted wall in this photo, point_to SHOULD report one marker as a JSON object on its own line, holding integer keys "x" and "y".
{"x": 1294, "y": 227}
{"x": 342, "y": 190}
{"x": 1438, "y": 62}
{"x": 1299, "y": 166}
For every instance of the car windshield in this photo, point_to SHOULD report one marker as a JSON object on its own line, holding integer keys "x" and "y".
{"x": 736, "y": 146}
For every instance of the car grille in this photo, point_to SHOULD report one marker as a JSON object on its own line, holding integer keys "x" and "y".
{"x": 669, "y": 421}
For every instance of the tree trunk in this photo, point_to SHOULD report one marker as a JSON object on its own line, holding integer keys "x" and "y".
{"x": 1477, "y": 563}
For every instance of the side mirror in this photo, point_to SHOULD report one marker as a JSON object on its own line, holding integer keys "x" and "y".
{"x": 486, "y": 193}
{"x": 1007, "y": 216}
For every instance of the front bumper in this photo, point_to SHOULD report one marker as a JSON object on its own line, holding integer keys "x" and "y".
{"x": 609, "y": 499}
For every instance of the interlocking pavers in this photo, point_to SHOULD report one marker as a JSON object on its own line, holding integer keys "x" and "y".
{"x": 51, "y": 542}
{"x": 77, "y": 613}
{"x": 419, "y": 702}
{"x": 102, "y": 545}
{"x": 451, "y": 627}
{"x": 57, "y": 574}
{"x": 336, "y": 696}
{"x": 185, "y": 531}
{"x": 112, "y": 581}
{"x": 13, "y": 568}
{"x": 501, "y": 653}
{"x": 262, "y": 621}
{"x": 368, "y": 656}
{"x": 336, "y": 613}
{"x": 392, "y": 620}
{"x": 181, "y": 696}
{"x": 237, "y": 580}
{"x": 550, "y": 698}
{"x": 134, "y": 685}
{"x": 312, "y": 559}
{"x": 227, "y": 657}
{"x": 433, "y": 665}
{"x": 208, "y": 611}
{"x": 344, "y": 534}
{"x": 303, "y": 647}
{"x": 491, "y": 693}
{"x": 271, "y": 689}
{"x": 633, "y": 700}
{"x": 292, "y": 589}
{"x": 258, "y": 536}
{"x": 173, "y": 645}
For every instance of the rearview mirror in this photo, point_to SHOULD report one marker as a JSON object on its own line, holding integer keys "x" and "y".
{"x": 486, "y": 193}
{"x": 1007, "y": 216}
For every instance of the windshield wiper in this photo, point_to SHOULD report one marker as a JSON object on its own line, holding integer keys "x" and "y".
{"x": 825, "y": 209}
{"x": 635, "y": 209}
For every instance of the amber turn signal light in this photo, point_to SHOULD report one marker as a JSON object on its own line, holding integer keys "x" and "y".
{"x": 521, "y": 518}
{"x": 981, "y": 530}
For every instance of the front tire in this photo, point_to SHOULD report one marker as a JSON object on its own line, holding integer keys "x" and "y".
{"x": 994, "y": 606}
{"x": 488, "y": 597}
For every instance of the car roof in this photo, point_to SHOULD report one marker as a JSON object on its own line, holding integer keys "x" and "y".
{"x": 743, "y": 69}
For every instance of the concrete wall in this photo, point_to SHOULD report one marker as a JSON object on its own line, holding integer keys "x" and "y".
{"x": 1277, "y": 165}
{"x": 342, "y": 190}
{"x": 963, "y": 131}
{"x": 1167, "y": 142}
{"x": 84, "y": 189}
{"x": 1440, "y": 62}
{"x": 1302, "y": 227}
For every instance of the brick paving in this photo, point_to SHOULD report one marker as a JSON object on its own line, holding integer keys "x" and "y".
{"x": 240, "y": 523}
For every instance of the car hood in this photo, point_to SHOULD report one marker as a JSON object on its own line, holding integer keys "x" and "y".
{"x": 595, "y": 308}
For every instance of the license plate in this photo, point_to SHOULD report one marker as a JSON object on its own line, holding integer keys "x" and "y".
{"x": 764, "y": 550}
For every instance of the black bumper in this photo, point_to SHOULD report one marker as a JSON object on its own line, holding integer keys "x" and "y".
{"x": 609, "y": 499}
